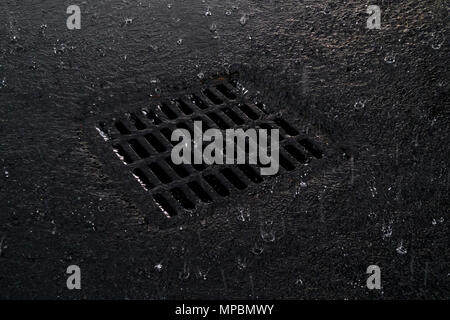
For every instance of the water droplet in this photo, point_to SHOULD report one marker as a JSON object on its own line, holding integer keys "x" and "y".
{"x": 386, "y": 230}
{"x": 228, "y": 12}
{"x": 436, "y": 221}
{"x": 437, "y": 40}
{"x": 257, "y": 250}
{"x": 3, "y": 83}
{"x": 104, "y": 134}
{"x": 359, "y": 105}
{"x": 59, "y": 48}
{"x": 390, "y": 58}
{"x": 54, "y": 227}
{"x": 184, "y": 275}
{"x": 208, "y": 12}
{"x": 302, "y": 185}
{"x": 202, "y": 274}
{"x": 42, "y": 28}
{"x": 33, "y": 65}
{"x": 401, "y": 249}
{"x": 244, "y": 215}
{"x": 267, "y": 236}
{"x": 158, "y": 267}
{"x": 169, "y": 6}
{"x": 128, "y": 21}
{"x": 213, "y": 27}
{"x": 243, "y": 19}
{"x": 179, "y": 41}
{"x": 239, "y": 85}
{"x": 299, "y": 282}
{"x": 436, "y": 46}
{"x": 6, "y": 174}
{"x": 200, "y": 75}
{"x": 242, "y": 263}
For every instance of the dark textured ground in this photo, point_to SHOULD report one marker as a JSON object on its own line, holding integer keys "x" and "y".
{"x": 59, "y": 205}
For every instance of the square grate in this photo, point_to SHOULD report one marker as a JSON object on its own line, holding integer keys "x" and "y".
{"x": 142, "y": 140}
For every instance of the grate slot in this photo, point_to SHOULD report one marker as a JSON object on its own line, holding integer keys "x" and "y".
{"x": 184, "y": 125}
{"x": 167, "y": 133}
{"x": 216, "y": 185}
{"x": 249, "y": 112}
{"x": 179, "y": 195}
{"x": 199, "y": 102}
{"x": 199, "y": 167}
{"x": 233, "y": 178}
{"x": 138, "y": 124}
{"x": 251, "y": 174}
{"x": 155, "y": 142}
{"x": 269, "y": 127}
{"x": 180, "y": 169}
{"x": 205, "y": 123}
{"x": 286, "y": 127}
{"x": 311, "y": 147}
{"x": 160, "y": 173}
{"x": 196, "y": 187}
{"x": 168, "y": 111}
{"x": 152, "y": 116}
{"x": 233, "y": 116}
{"x": 123, "y": 129}
{"x": 165, "y": 205}
{"x": 285, "y": 163}
{"x": 218, "y": 120}
{"x": 212, "y": 97}
{"x": 184, "y": 107}
{"x": 226, "y": 91}
{"x": 261, "y": 106}
{"x": 138, "y": 148}
{"x": 296, "y": 153}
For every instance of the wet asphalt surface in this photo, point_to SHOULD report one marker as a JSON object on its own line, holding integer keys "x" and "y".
{"x": 380, "y": 97}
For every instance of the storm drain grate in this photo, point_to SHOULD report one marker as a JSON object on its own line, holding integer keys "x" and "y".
{"x": 142, "y": 140}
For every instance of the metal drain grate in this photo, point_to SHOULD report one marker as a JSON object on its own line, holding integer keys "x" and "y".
{"x": 142, "y": 141}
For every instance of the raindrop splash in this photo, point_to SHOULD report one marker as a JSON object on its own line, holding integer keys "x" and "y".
{"x": 243, "y": 20}
{"x": 386, "y": 230}
{"x": 159, "y": 266}
{"x": 359, "y": 105}
{"x": 401, "y": 249}
{"x": 390, "y": 58}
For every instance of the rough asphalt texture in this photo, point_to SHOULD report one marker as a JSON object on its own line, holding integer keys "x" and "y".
{"x": 381, "y": 96}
